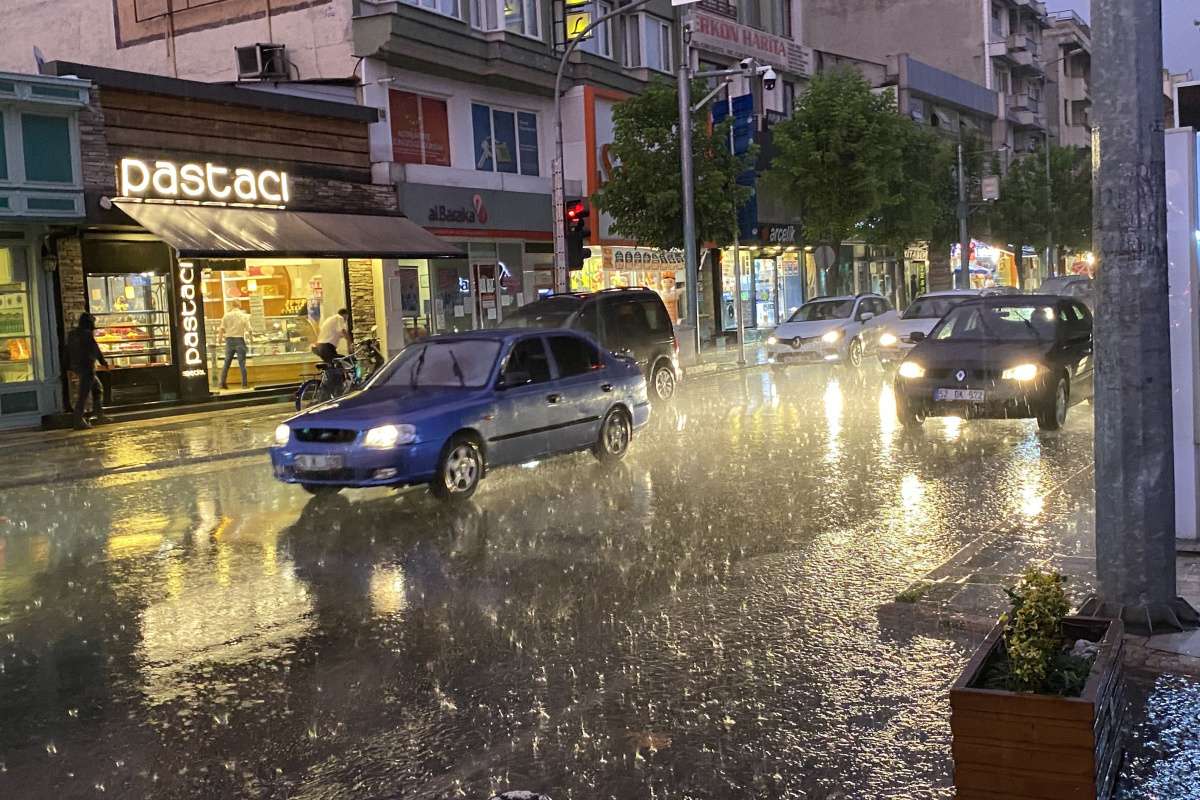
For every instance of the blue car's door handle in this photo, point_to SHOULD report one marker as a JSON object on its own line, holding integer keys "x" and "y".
{"x": 553, "y": 399}
{"x": 606, "y": 387}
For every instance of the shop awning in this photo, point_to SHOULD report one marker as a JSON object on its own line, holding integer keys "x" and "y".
{"x": 216, "y": 231}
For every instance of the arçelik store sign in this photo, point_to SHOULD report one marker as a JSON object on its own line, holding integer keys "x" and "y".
{"x": 207, "y": 184}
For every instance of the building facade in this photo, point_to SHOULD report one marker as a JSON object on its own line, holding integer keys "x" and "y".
{"x": 996, "y": 45}
{"x": 41, "y": 194}
{"x": 199, "y": 199}
{"x": 1067, "y": 58}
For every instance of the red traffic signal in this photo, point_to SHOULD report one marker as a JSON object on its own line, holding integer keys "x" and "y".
{"x": 577, "y": 213}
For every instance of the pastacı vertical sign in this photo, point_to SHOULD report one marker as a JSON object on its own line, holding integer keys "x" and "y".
{"x": 190, "y": 346}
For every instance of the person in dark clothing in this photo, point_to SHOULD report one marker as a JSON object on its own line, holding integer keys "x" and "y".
{"x": 83, "y": 354}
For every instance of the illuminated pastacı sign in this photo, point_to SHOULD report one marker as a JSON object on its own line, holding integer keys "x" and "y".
{"x": 189, "y": 320}
{"x": 202, "y": 183}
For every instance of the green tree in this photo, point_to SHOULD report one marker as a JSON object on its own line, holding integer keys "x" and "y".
{"x": 644, "y": 194}
{"x": 1026, "y": 214}
{"x": 842, "y": 152}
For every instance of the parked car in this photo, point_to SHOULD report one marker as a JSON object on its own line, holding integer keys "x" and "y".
{"x": 1080, "y": 287}
{"x": 448, "y": 408}
{"x": 895, "y": 341}
{"x": 629, "y": 322}
{"x": 831, "y": 330}
{"x": 1000, "y": 358}
{"x": 999, "y": 290}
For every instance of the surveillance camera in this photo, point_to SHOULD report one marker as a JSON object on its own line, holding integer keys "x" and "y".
{"x": 746, "y": 63}
{"x": 769, "y": 78}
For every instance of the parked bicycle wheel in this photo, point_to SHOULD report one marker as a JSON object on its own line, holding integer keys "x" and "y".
{"x": 310, "y": 394}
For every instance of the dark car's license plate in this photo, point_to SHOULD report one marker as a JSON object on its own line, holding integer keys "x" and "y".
{"x": 959, "y": 395}
{"x": 319, "y": 463}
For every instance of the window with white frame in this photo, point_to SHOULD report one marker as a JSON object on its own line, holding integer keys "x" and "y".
{"x": 514, "y": 16}
{"x": 600, "y": 40}
{"x": 648, "y": 42}
{"x": 505, "y": 140}
{"x": 449, "y": 8}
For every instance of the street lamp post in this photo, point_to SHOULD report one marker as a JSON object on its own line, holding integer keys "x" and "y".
{"x": 561, "y": 280}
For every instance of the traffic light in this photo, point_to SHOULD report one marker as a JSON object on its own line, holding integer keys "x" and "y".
{"x": 576, "y": 223}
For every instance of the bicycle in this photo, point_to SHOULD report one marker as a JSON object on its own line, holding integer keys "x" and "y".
{"x": 345, "y": 374}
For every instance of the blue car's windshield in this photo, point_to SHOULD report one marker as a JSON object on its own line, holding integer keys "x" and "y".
{"x": 464, "y": 363}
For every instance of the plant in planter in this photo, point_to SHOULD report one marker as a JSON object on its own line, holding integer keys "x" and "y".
{"x": 1037, "y": 711}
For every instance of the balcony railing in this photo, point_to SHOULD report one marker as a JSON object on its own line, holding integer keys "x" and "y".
{"x": 1024, "y": 102}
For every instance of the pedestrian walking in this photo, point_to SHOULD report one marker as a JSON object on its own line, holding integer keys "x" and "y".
{"x": 333, "y": 330}
{"x": 235, "y": 329}
{"x": 83, "y": 356}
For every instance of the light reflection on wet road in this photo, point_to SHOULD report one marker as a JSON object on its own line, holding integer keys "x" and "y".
{"x": 699, "y": 622}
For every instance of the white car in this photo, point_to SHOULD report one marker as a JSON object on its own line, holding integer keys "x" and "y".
{"x": 831, "y": 330}
{"x": 895, "y": 340}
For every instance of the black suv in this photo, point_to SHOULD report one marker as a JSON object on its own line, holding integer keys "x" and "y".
{"x": 631, "y": 322}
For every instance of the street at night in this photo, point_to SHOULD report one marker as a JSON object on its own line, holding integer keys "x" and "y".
{"x": 701, "y": 620}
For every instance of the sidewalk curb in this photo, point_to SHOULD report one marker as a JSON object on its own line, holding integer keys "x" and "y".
{"x": 81, "y": 475}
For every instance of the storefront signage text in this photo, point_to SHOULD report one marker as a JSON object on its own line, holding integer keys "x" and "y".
{"x": 189, "y": 321}
{"x": 777, "y": 234}
{"x": 202, "y": 183}
{"x": 622, "y": 258}
{"x": 477, "y": 214}
{"x": 724, "y": 36}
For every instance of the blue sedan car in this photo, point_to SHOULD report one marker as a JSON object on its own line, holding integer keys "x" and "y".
{"x": 448, "y": 408}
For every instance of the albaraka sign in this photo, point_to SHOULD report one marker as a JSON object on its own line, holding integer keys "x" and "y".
{"x": 724, "y": 36}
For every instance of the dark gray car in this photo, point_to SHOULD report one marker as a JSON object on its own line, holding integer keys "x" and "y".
{"x": 629, "y": 322}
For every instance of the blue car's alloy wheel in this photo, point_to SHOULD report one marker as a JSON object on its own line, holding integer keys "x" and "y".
{"x": 459, "y": 470}
{"x": 615, "y": 434}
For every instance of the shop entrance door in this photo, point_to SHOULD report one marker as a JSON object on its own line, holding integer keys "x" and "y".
{"x": 487, "y": 295}
{"x": 765, "y": 292}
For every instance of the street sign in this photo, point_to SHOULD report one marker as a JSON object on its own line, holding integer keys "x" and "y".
{"x": 824, "y": 256}
{"x": 577, "y": 23}
{"x": 990, "y": 187}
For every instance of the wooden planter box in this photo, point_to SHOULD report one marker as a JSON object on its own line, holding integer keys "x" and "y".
{"x": 1009, "y": 745}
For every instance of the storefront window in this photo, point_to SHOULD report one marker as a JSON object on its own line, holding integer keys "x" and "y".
{"x": 765, "y": 294}
{"x": 285, "y": 300}
{"x": 623, "y": 267}
{"x": 452, "y": 298}
{"x": 16, "y": 325}
{"x": 133, "y": 320}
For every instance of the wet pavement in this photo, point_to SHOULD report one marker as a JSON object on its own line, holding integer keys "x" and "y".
{"x": 701, "y": 621}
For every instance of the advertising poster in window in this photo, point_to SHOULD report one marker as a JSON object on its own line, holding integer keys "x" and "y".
{"x": 435, "y": 126}
{"x": 481, "y": 121}
{"x": 527, "y": 135}
{"x": 405, "y": 111}
{"x": 504, "y": 129}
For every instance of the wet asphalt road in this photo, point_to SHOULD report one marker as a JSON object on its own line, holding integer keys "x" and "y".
{"x": 698, "y": 622}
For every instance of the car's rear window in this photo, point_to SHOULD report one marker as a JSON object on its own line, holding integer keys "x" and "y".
{"x": 553, "y": 312}
{"x": 932, "y": 307}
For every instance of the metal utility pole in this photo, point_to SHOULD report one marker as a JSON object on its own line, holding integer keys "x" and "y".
{"x": 737, "y": 246}
{"x": 964, "y": 238}
{"x": 1051, "y": 266}
{"x": 1135, "y": 485}
{"x": 690, "y": 245}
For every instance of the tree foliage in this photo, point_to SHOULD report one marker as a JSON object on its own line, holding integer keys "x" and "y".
{"x": 1025, "y": 214}
{"x": 843, "y": 156}
{"x": 644, "y": 193}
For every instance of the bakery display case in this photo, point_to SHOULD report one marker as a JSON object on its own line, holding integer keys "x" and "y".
{"x": 134, "y": 338}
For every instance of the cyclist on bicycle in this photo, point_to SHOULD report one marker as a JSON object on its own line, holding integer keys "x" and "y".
{"x": 333, "y": 330}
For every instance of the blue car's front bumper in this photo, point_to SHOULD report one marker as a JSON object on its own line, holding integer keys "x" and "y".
{"x": 357, "y": 466}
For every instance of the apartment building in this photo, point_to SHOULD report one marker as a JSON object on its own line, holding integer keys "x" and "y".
{"x": 1067, "y": 59}
{"x": 996, "y": 45}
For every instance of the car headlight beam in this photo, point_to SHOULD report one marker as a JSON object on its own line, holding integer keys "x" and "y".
{"x": 386, "y": 436}
{"x": 1021, "y": 373}
{"x": 911, "y": 369}
{"x": 772, "y": 340}
{"x": 831, "y": 337}
{"x": 888, "y": 339}
{"x": 283, "y": 434}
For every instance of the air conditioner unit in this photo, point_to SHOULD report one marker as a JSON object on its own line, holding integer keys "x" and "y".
{"x": 262, "y": 62}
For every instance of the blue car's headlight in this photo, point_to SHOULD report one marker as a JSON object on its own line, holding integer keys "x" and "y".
{"x": 386, "y": 436}
{"x": 282, "y": 434}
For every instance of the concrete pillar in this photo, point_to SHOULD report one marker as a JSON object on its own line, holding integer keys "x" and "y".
{"x": 1135, "y": 494}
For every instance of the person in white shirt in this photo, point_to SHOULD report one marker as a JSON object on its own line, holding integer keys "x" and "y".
{"x": 235, "y": 329}
{"x": 333, "y": 330}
